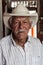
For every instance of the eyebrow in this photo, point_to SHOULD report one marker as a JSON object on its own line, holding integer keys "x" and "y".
{"x": 14, "y": 18}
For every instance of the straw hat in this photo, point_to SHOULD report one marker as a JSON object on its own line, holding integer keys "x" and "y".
{"x": 21, "y": 10}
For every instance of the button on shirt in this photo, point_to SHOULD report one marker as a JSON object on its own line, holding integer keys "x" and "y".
{"x": 13, "y": 54}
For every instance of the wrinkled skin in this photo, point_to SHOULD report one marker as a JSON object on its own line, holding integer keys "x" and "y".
{"x": 20, "y": 27}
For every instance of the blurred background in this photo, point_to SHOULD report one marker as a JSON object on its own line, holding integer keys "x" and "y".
{"x": 35, "y": 5}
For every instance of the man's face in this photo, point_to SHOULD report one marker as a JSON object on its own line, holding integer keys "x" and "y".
{"x": 20, "y": 26}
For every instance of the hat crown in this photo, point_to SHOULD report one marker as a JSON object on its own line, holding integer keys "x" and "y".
{"x": 20, "y": 9}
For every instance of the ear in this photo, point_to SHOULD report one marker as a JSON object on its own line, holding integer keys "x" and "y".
{"x": 10, "y": 22}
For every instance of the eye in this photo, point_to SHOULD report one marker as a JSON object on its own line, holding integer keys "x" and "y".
{"x": 25, "y": 21}
{"x": 15, "y": 22}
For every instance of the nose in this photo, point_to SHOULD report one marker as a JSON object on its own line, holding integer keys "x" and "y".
{"x": 20, "y": 24}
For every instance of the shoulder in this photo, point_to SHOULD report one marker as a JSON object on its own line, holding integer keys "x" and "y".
{"x": 35, "y": 41}
{"x": 5, "y": 39}
{"x": 4, "y": 42}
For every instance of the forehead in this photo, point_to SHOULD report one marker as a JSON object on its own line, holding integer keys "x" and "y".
{"x": 20, "y": 17}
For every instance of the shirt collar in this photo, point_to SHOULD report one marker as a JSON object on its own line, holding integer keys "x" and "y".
{"x": 13, "y": 42}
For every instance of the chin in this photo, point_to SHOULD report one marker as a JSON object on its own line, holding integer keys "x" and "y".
{"x": 21, "y": 36}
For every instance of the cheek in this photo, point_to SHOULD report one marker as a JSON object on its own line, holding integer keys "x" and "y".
{"x": 27, "y": 27}
{"x": 14, "y": 28}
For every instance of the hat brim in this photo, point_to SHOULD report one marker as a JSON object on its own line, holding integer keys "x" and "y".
{"x": 33, "y": 18}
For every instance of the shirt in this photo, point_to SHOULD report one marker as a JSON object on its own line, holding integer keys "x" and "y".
{"x": 13, "y": 54}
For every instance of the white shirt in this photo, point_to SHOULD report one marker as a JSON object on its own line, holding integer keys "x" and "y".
{"x": 13, "y": 54}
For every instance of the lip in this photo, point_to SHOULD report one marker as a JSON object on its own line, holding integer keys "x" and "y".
{"x": 21, "y": 32}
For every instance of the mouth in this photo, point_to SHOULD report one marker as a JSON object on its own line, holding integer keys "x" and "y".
{"x": 20, "y": 31}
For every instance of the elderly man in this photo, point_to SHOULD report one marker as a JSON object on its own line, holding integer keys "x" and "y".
{"x": 19, "y": 48}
